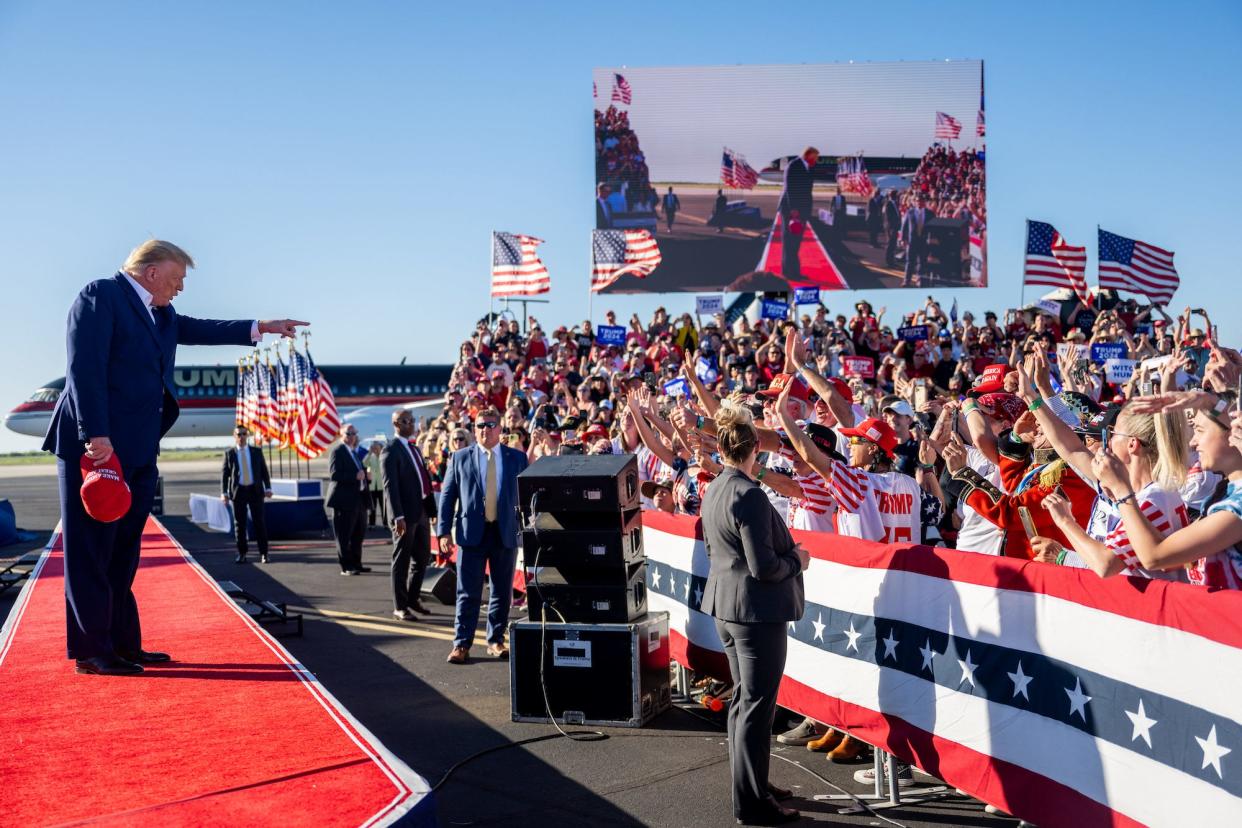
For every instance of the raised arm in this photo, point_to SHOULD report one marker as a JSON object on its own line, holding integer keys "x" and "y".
{"x": 840, "y": 407}
{"x": 1069, "y": 448}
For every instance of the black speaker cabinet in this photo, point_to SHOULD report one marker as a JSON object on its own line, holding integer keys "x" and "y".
{"x": 584, "y": 540}
{"x": 579, "y": 483}
{"x": 946, "y": 247}
{"x": 441, "y": 583}
{"x": 587, "y": 596}
{"x": 615, "y": 675}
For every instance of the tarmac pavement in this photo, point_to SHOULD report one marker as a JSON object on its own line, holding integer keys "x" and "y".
{"x": 393, "y": 677}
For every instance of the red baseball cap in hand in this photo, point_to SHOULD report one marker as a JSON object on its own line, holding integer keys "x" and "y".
{"x": 105, "y": 494}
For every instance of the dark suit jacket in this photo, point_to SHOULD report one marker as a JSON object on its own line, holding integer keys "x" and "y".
{"x": 119, "y": 380}
{"x": 910, "y": 230}
{"x": 230, "y": 474}
{"x": 344, "y": 492}
{"x": 754, "y": 575}
{"x": 464, "y": 487}
{"x": 797, "y": 192}
{"x": 603, "y": 215}
{"x": 403, "y": 485}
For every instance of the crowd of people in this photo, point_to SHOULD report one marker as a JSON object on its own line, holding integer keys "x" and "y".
{"x": 952, "y": 184}
{"x": 620, "y": 163}
{"x": 1008, "y": 436}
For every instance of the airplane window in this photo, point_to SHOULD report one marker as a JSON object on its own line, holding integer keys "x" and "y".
{"x": 390, "y": 389}
{"x": 335, "y": 390}
{"x": 371, "y": 390}
{"x": 45, "y": 395}
{"x": 408, "y": 390}
{"x": 353, "y": 389}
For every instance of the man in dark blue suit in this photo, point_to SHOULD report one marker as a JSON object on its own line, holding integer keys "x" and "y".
{"x": 480, "y": 486}
{"x": 119, "y": 397}
{"x": 797, "y": 201}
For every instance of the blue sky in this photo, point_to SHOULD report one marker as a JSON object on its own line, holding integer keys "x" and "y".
{"x": 345, "y": 162}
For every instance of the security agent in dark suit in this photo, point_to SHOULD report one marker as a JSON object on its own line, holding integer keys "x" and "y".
{"x": 347, "y": 492}
{"x": 120, "y": 397}
{"x": 914, "y": 233}
{"x": 753, "y": 590}
{"x": 796, "y": 197}
{"x": 245, "y": 483}
{"x": 892, "y": 227}
{"x": 407, "y": 491}
{"x": 603, "y": 210}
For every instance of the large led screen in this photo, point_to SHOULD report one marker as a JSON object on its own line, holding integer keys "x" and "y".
{"x": 841, "y": 176}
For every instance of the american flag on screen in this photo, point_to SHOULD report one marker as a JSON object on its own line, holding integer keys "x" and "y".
{"x": 735, "y": 172}
{"x": 979, "y": 130}
{"x": 947, "y": 126}
{"x": 617, "y": 252}
{"x": 516, "y": 267}
{"x": 621, "y": 89}
{"x": 852, "y": 176}
{"x": 1138, "y": 267}
{"x": 1053, "y": 263}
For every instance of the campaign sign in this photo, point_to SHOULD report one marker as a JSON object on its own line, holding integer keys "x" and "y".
{"x": 773, "y": 309}
{"x": 1049, "y": 306}
{"x": 858, "y": 366}
{"x": 1118, "y": 370}
{"x": 806, "y": 296}
{"x": 1069, "y": 352}
{"x": 913, "y": 333}
{"x": 677, "y": 388}
{"x": 705, "y": 305}
{"x": 1102, "y": 352}
{"x": 610, "y": 335}
{"x": 1143, "y": 328}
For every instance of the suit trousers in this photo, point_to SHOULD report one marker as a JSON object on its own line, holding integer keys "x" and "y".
{"x": 250, "y": 499}
{"x": 499, "y": 561}
{"x": 349, "y": 526}
{"x": 756, "y": 654}
{"x": 410, "y": 555}
{"x": 101, "y": 560}
{"x": 916, "y": 258}
{"x": 791, "y": 247}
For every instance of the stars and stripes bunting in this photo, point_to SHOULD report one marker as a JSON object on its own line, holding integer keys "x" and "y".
{"x": 974, "y": 667}
{"x": 517, "y": 269}
{"x": 947, "y": 126}
{"x": 735, "y": 173}
{"x": 615, "y": 253}
{"x": 621, "y": 92}
{"x": 1137, "y": 267}
{"x": 1053, "y": 263}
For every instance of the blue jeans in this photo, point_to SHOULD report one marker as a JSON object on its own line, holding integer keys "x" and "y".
{"x": 471, "y": 561}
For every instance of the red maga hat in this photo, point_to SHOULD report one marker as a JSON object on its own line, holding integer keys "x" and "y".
{"x": 105, "y": 494}
{"x": 801, "y": 391}
{"x": 992, "y": 379}
{"x": 877, "y": 431}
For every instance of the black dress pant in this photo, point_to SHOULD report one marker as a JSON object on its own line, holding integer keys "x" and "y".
{"x": 410, "y": 555}
{"x": 101, "y": 560}
{"x": 349, "y": 526}
{"x": 756, "y": 654}
{"x": 250, "y": 499}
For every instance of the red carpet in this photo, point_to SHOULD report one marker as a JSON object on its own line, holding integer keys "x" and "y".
{"x": 233, "y": 732}
{"x": 817, "y": 267}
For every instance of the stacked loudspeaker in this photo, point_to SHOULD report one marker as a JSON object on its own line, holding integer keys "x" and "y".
{"x": 590, "y": 652}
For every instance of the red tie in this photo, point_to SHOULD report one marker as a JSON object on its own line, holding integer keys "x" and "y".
{"x": 423, "y": 477}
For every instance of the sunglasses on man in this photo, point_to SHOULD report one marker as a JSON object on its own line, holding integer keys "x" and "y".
{"x": 486, "y": 424}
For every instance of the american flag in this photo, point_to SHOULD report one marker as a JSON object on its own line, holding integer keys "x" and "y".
{"x": 318, "y": 418}
{"x": 516, "y": 267}
{"x": 617, "y": 252}
{"x": 267, "y": 424}
{"x": 295, "y": 393}
{"x": 621, "y": 89}
{"x": 973, "y": 667}
{"x": 1138, "y": 267}
{"x": 735, "y": 172}
{"x": 280, "y": 380}
{"x": 852, "y": 176}
{"x": 248, "y": 386}
{"x": 947, "y": 126}
{"x": 1051, "y": 262}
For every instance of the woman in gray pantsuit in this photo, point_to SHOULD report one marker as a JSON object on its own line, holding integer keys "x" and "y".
{"x": 754, "y": 589}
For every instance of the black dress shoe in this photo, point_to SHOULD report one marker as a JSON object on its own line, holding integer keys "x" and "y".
{"x": 240, "y": 558}
{"x": 773, "y": 815}
{"x": 778, "y": 792}
{"x": 363, "y": 569}
{"x": 419, "y": 606}
{"x": 350, "y": 572}
{"x": 144, "y": 656}
{"x": 109, "y": 665}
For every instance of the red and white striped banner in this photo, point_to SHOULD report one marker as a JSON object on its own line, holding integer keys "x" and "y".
{"x": 1060, "y": 697}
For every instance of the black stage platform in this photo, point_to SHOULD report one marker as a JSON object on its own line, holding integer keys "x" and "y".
{"x": 394, "y": 678}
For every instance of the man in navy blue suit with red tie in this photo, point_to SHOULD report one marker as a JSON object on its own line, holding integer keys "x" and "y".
{"x": 120, "y": 398}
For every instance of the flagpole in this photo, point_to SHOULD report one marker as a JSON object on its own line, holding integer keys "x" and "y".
{"x": 491, "y": 292}
{"x": 1025, "y": 242}
{"x": 590, "y": 279}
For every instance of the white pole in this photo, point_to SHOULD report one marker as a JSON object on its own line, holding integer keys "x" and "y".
{"x": 491, "y": 263}
{"x": 590, "y": 279}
